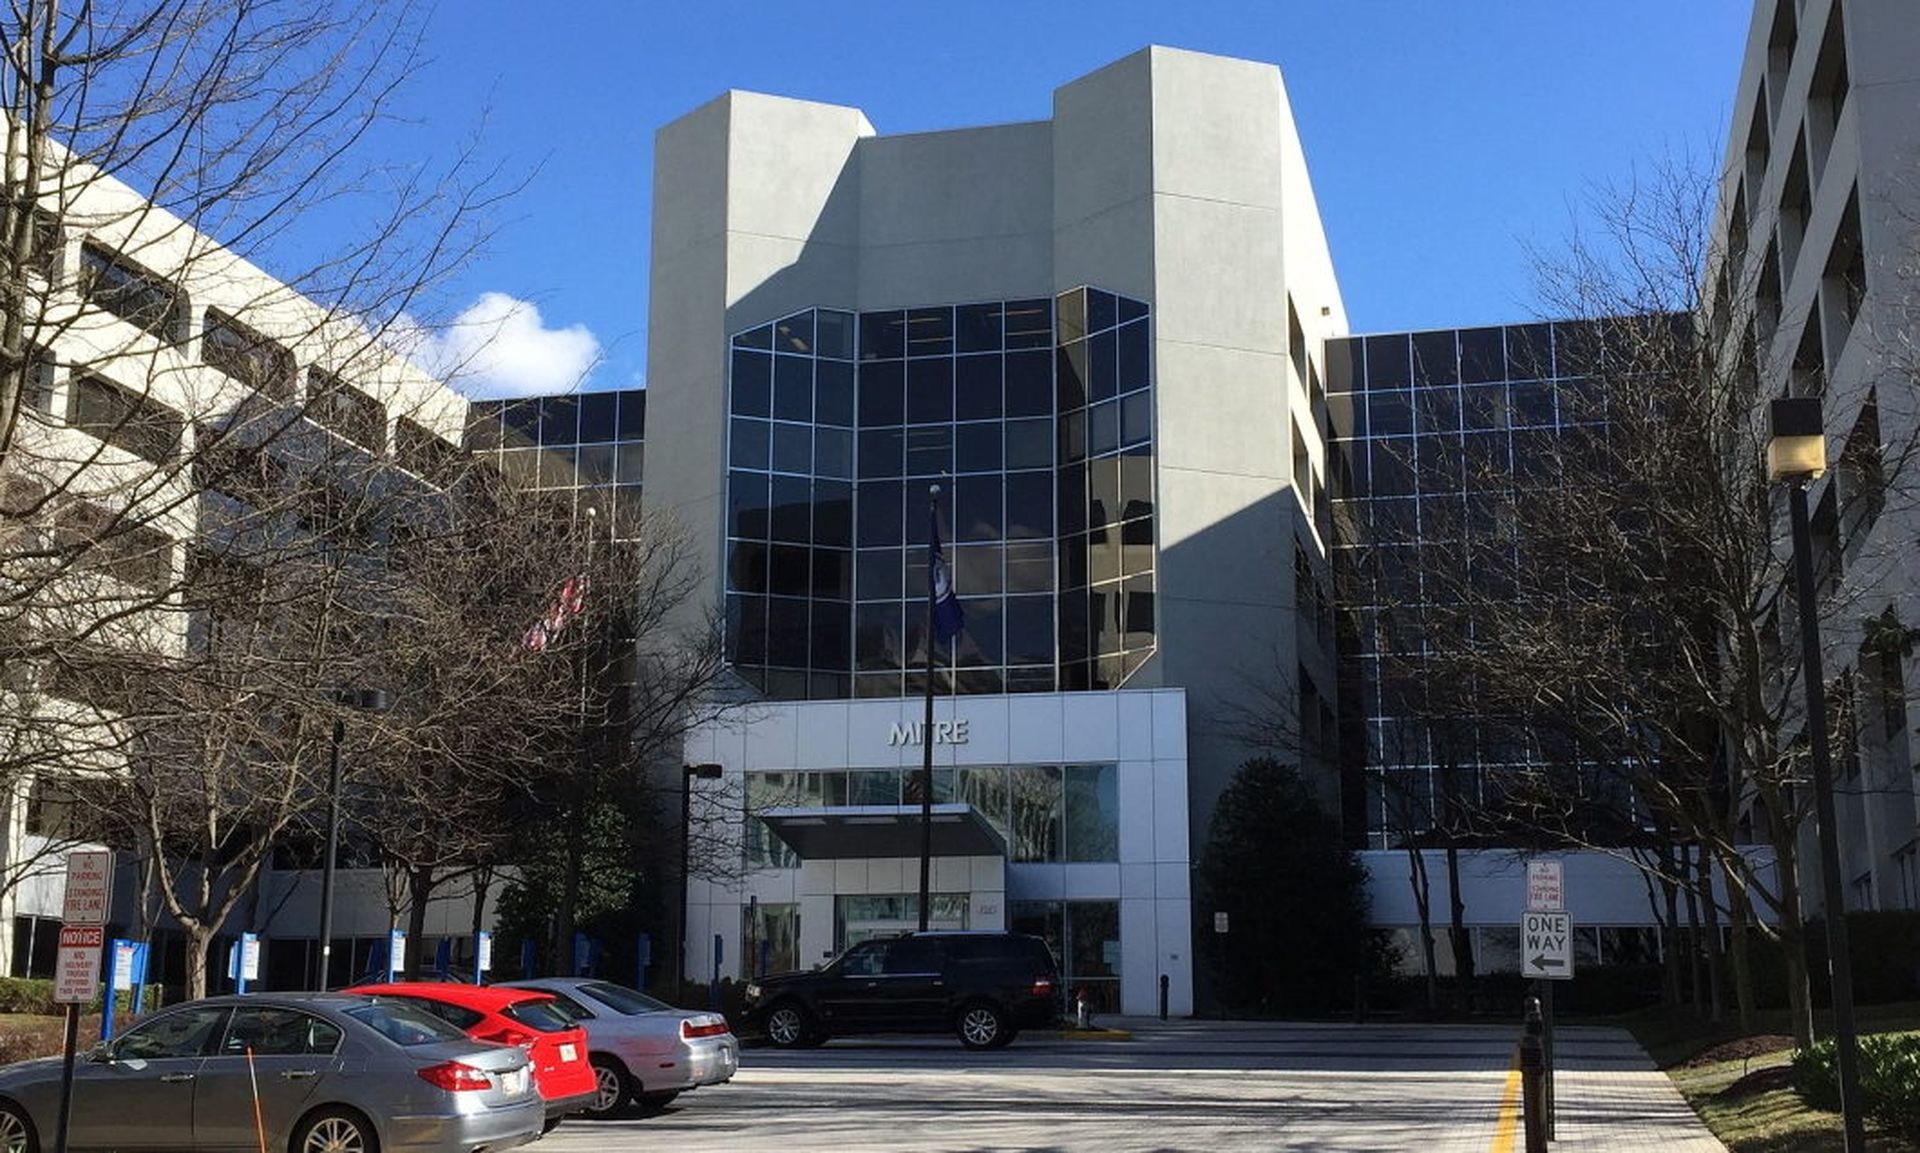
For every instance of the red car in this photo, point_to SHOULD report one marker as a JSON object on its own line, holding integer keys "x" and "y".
{"x": 525, "y": 1017}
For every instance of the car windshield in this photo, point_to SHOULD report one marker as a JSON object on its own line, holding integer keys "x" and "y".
{"x": 539, "y": 1013}
{"x": 623, "y": 999}
{"x": 403, "y": 1024}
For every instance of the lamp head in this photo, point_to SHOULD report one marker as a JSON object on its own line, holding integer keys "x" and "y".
{"x": 1797, "y": 447}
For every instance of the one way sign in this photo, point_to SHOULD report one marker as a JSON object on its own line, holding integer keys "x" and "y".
{"x": 1546, "y": 946}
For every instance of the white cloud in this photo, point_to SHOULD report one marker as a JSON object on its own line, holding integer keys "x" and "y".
{"x": 501, "y": 347}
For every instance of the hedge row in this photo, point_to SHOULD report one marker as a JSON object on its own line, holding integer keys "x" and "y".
{"x": 1889, "y": 1078}
{"x": 34, "y": 995}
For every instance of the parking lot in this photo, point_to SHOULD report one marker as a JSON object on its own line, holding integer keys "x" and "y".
{"x": 1209, "y": 1086}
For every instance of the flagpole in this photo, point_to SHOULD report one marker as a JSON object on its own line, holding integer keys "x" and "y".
{"x": 926, "y": 728}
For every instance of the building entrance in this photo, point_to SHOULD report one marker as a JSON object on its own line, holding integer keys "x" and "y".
{"x": 864, "y": 917}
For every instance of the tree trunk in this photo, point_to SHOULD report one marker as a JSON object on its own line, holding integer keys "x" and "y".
{"x": 1422, "y": 896}
{"x": 1673, "y": 861}
{"x": 1696, "y": 958}
{"x": 198, "y": 939}
{"x": 1710, "y": 908}
{"x": 1793, "y": 952}
{"x": 1457, "y": 921}
{"x": 1740, "y": 925}
{"x": 420, "y": 885}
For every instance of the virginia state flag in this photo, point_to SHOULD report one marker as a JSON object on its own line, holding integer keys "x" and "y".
{"x": 948, "y": 617}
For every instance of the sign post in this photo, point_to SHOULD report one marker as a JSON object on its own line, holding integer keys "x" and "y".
{"x": 482, "y": 956}
{"x": 1546, "y": 949}
{"x": 76, "y": 974}
{"x": 396, "y": 953}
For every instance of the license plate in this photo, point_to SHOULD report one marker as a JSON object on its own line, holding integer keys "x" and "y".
{"x": 569, "y": 1053}
{"x": 514, "y": 1082}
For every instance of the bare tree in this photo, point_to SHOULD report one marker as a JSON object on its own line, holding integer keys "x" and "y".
{"x": 535, "y": 666}
{"x": 157, "y": 156}
{"x": 1620, "y": 590}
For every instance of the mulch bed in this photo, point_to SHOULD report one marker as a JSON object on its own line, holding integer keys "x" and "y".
{"x": 1757, "y": 1082}
{"x": 1740, "y": 1049}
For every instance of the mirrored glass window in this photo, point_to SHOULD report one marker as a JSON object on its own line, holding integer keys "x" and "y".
{"x": 839, "y": 424}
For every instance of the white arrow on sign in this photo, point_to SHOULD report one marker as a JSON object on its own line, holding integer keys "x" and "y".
{"x": 1546, "y": 946}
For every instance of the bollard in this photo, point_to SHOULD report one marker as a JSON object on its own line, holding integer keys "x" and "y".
{"x": 1533, "y": 1080}
{"x": 1081, "y": 1019}
{"x": 1165, "y": 982}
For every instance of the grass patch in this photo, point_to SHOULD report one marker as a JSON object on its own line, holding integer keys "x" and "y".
{"x": 27, "y": 1035}
{"x": 1750, "y": 1104}
{"x": 1739, "y": 1082}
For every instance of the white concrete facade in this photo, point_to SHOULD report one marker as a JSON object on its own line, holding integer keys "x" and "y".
{"x": 1816, "y": 247}
{"x": 1142, "y": 732}
{"x": 170, "y": 369}
{"x": 1169, "y": 177}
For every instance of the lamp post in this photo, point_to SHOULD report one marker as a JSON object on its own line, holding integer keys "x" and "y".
{"x": 689, "y": 774}
{"x": 367, "y": 701}
{"x": 1797, "y": 453}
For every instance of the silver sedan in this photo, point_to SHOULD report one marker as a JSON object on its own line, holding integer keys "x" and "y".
{"x": 330, "y": 1073}
{"x": 643, "y": 1050}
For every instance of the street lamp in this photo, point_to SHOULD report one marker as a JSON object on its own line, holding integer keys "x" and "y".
{"x": 689, "y": 774}
{"x": 366, "y": 701}
{"x": 1797, "y": 453}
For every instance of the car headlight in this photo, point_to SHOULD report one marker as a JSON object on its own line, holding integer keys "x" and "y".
{"x": 753, "y": 992}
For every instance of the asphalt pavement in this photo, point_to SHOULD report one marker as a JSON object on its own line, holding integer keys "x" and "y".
{"x": 1213, "y": 1086}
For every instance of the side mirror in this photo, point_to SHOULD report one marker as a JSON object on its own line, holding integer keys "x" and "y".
{"x": 101, "y": 1054}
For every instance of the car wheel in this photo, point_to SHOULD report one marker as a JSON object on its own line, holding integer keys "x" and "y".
{"x": 16, "y": 1130}
{"x": 1006, "y": 1038}
{"x": 613, "y": 1089}
{"x": 334, "y": 1131}
{"x": 787, "y": 1026}
{"x": 982, "y": 1026}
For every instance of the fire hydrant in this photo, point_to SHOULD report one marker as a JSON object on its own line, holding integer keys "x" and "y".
{"x": 1080, "y": 1015}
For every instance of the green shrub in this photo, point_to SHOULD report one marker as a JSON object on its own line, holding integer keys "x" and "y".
{"x": 1815, "y": 1077}
{"x": 27, "y": 995}
{"x": 34, "y": 996}
{"x": 1889, "y": 1078}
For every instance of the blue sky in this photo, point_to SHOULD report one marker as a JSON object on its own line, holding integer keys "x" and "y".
{"x": 1442, "y": 137}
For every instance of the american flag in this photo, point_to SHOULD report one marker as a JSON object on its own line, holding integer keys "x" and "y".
{"x": 568, "y": 604}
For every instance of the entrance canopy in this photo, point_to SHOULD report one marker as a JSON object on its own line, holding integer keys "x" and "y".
{"x": 841, "y": 831}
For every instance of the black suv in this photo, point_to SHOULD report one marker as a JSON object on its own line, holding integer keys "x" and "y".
{"x": 984, "y": 986}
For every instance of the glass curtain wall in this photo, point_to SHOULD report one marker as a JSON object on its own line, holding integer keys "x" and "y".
{"x": 1431, "y": 430}
{"x": 588, "y": 446}
{"x": 1039, "y": 438}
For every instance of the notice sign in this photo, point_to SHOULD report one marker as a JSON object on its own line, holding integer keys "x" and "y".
{"x": 1546, "y": 946}
{"x": 89, "y": 887}
{"x": 76, "y": 969}
{"x": 1544, "y": 891}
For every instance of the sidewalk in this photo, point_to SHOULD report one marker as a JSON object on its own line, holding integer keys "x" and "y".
{"x": 1609, "y": 1097}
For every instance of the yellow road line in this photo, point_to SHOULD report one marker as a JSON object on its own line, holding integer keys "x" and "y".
{"x": 1509, "y": 1111}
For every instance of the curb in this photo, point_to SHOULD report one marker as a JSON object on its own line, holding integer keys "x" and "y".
{"x": 1094, "y": 1035}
